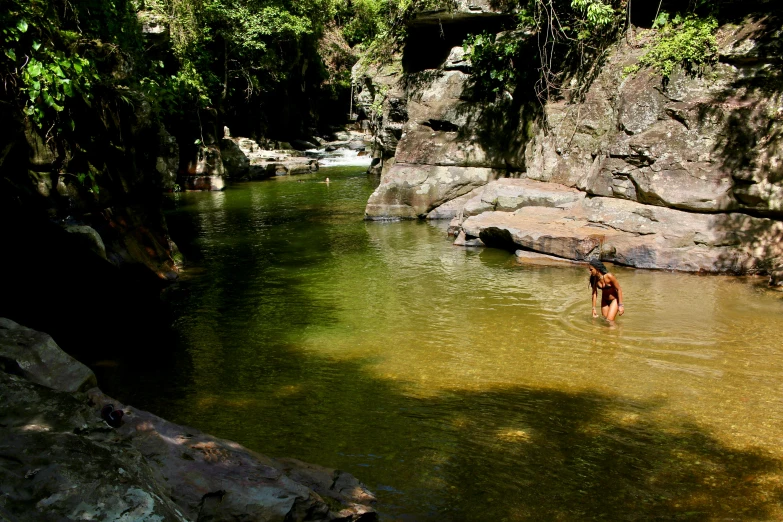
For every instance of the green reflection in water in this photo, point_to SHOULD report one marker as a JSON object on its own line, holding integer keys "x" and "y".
{"x": 458, "y": 385}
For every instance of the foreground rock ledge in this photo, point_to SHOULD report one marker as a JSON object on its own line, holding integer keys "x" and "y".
{"x": 60, "y": 461}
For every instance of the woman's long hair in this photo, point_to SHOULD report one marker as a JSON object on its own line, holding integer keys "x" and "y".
{"x": 598, "y": 265}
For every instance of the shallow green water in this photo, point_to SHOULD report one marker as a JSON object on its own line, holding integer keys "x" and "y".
{"x": 457, "y": 384}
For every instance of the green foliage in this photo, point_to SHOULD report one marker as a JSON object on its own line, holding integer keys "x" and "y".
{"x": 493, "y": 61}
{"x": 571, "y": 35}
{"x": 597, "y": 13}
{"x": 687, "y": 41}
{"x": 232, "y": 49}
{"x": 44, "y": 66}
{"x": 363, "y": 20}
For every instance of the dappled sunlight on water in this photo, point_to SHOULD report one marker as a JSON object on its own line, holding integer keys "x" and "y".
{"x": 459, "y": 385}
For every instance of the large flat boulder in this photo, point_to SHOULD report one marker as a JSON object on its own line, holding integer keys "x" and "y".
{"x": 550, "y": 231}
{"x": 634, "y": 234}
{"x": 62, "y": 462}
{"x": 209, "y": 475}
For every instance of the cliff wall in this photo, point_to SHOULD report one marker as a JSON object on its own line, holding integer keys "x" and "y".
{"x": 702, "y": 150}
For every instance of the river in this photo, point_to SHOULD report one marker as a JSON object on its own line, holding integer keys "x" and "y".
{"x": 456, "y": 383}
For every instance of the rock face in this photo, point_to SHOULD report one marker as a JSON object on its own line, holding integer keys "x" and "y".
{"x": 702, "y": 151}
{"x": 94, "y": 198}
{"x": 148, "y": 469}
{"x": 36, "y": 357}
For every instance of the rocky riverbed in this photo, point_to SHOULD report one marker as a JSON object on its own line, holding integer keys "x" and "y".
{"x": 243, "y": 159}
{"x": 59, "y": 459}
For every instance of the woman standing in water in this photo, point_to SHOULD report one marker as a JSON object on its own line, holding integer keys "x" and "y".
{"x": 611, "y": 293}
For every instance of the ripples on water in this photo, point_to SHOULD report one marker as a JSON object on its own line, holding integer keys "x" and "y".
{"x": 457, "y": 384}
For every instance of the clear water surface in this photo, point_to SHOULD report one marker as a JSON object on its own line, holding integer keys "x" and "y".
{"x": 457, "y": 384}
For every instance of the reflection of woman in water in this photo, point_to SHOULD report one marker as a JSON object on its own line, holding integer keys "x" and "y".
{"x": 611, "y": 293}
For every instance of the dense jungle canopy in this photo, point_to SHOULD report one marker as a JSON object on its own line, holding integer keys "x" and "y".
{"x": 283, "y": 67}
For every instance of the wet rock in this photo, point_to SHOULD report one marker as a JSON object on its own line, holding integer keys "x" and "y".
{"x": 357, "y": 145}
{"x": 36, "y": 357}
{"x": 526, "y": 257}
{"x": 463, "y": 240}
{"x": 206, "y": 474}
{"x": 303, "y": 144}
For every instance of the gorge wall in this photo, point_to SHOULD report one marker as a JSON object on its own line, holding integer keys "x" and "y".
{"x": 684, "y": 174}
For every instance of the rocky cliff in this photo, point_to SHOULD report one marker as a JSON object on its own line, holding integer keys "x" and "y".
{"x": 683, "y": 174}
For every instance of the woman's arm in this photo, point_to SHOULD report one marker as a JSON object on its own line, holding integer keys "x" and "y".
{"x": 595, "y": 296}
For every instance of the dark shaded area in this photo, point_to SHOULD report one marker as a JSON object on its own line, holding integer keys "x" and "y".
{"x": 55, "y": 281}
{"x": 94, "y": 310}
{"x": 643, "y": 13}
{"x": 498, "y": 238}
{"x": 507, "y": 453}
{"x": 427, "y": 45}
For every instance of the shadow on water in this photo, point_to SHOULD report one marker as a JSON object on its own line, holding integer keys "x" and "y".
{"x": 248, "y": 264}
{"x": 516, "y": 453}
